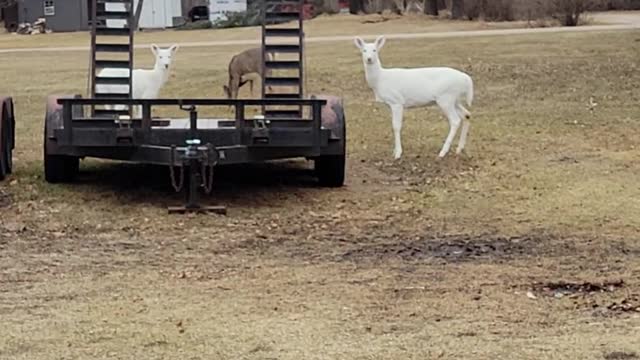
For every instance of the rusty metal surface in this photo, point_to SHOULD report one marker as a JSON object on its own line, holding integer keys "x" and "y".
{"x": 332, "y": 114}
{"x": 54, "y": 113}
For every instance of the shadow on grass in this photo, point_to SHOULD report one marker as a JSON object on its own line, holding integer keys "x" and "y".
{"x": 260, "y": 184}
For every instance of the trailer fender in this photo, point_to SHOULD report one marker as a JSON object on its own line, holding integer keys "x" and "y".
{"x": 57, "y": 168}
{"x": 333, "y": 117}
{"x": 53, "y": 116}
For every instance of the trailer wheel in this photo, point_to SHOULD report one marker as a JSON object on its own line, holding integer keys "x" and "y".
{"x": 60, "y": 168}
{"x": 57, "y": 168}
{"x": 6, "y": 143}
{"x": 330, "y": 169}
{"x": 4, "y": 166}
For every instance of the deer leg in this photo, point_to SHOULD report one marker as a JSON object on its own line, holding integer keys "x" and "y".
{"x": 449, "y": 109}
{"x": 397, "y": 112}
{"x": 234, "y": 85}
{"x": 465, "y": 115}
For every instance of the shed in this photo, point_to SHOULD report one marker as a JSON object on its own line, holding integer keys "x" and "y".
{"x": 61, "y": 15}
{"x": 159, "y": 14}
{"x": 187, "y": 5}
{"x": 74, "y": 15}
{"x": 219, "y": 8}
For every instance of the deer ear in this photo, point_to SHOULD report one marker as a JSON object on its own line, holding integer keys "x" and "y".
{"x": 380, "y": 42}
{"x": 154, "y": 49}
{"x": 359, "y": 42}
{"x": 174, "y": 48}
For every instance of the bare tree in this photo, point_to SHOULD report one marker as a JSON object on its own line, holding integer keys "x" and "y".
{"x": 483, "y": 9}
{"x": 457, "y": 9}
{"x": 569, "y": 11}
{"x": 431, "y": 7}
{"x": 401, "y": 6}
{"x": 356, "y": 6}
{"x": 7, "y": 3}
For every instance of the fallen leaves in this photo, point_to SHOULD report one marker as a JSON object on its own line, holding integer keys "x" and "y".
{"x": 180, "y": 327}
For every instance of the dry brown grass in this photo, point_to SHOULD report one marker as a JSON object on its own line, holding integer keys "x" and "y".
{"x": 412, "y": 260}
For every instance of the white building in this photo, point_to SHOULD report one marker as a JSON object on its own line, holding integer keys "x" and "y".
{"x": 158, "y": 14}
{"x": 218, "y": 8}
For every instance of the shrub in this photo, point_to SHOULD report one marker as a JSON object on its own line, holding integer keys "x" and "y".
{"x": 491, "y": 10}
{"x": 568, "y": 12}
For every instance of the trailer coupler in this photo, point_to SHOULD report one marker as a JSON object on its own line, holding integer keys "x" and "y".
{"x": 199, "y": 162}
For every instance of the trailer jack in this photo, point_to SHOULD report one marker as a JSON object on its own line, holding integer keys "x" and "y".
{"x": 198, "y": 159}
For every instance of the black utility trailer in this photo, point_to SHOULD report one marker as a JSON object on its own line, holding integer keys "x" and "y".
{"x": 289, "y": 125}
{"x": 7, "y": 136}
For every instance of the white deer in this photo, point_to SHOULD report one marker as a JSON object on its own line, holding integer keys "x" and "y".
{"x": 402, "y": 88}
{"x": 146, "y": 83}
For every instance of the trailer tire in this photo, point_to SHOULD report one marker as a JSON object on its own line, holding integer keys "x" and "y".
{"x": 5, "y": 152}
{"x": 6, "y": 140}
{"x": 60, "y": 168}
{"x": 330, "y": 169}
{"x": 57, "y": 168}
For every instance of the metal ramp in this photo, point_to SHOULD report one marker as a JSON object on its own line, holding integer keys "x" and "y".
{"x": 113, "y": 25}
{"x": 283, "y": 38}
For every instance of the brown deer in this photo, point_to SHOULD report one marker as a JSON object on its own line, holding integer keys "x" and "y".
{"x": 244, "y": 63}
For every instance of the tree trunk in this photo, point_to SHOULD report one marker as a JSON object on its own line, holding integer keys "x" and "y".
{"x": 431, "y": 7}
{"x": 442, "y": 4}
{"x": 457, "y": 9}
{"x": 483, "y": 10}
{"x": 356, "y": 6}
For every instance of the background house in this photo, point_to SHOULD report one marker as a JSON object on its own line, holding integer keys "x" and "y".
{"x": 74, "y": 15}
{"x": 61, "y": 15}
{"x": 159, "y": 14}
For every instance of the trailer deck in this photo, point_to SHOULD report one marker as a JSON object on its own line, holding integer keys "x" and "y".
{"x": 288, "y": 126}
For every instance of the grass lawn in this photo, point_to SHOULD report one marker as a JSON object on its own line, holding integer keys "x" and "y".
{"x": 415, "y": 259}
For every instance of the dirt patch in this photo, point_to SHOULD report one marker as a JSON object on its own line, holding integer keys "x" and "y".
{"x": 628, "y": 305}
{"x": 631, "y": 304}
{"x": 621, "y": 355}
{"x": 562, "y": 288}
{"x": 595, "y": 296}
{"x": 457, "y": 248}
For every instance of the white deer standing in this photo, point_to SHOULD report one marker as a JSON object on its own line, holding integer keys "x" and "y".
{"x": 146, "y": 83}
{"x": 402, "y": 88}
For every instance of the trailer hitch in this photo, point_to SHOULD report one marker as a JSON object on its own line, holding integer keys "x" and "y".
{"x": 197, "y": 158}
